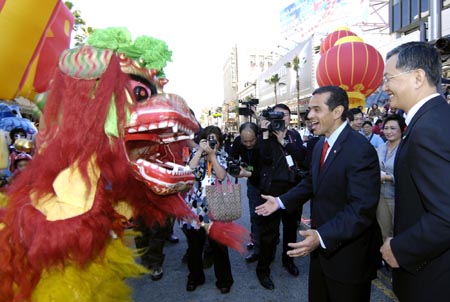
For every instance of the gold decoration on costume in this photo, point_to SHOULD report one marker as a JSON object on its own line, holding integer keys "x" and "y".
{"x": 72, "y": 195}
{"x": 24, "y": 145}
{"x": 124, "y": 209}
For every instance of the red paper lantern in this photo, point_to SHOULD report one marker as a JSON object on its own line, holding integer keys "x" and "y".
{"x": 331, "y": 39}
{"x": 356, "y": 67}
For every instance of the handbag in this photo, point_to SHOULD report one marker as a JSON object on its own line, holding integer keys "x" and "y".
{"x": 224, "y": 201}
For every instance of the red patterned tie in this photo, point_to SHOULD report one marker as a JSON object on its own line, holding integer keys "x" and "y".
{"x": 324, "y": 153}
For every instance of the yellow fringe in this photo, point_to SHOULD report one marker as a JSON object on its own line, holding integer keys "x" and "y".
{"x": 3, "y": 200}
{"x": 100, "y": 281}
{"x": 3, "y": 203}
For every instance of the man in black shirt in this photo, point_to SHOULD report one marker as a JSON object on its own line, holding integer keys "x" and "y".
{"x": 246, "y": 149}
{"x": 281, "y": 153}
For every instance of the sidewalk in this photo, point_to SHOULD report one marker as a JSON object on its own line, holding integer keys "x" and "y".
{"x": 246, "y": 288}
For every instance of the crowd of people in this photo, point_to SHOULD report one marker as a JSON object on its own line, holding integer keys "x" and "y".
{"x": 376, "y": 181}
{"x": 20, "y": 153}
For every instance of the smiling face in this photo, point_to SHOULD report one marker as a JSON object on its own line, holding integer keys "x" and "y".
{"x": 392, "y": 131}
{"x": 399, "y": 85}
{"x": 323, "y": 120}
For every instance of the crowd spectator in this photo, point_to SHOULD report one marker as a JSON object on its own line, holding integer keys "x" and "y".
{"x": 309, "y": 144}
{"x": 15, "y": 134}
{"x": 281, "y": 153}
{"x": 209, "y": 165}
{"x": 378, "y": 128}
{"x": 374, "y": 112}
{"x": 358, "y": 119}
{"x": 150, "y": 242}
{"x": 228, "y": 139}
{"x": 246, "y": 150}
{"x": 21, "y": 161}
{"x": 394, "y": 125}
{"x": 373, "y": 138}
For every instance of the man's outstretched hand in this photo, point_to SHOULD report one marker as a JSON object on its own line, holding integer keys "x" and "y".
{"x": 267, "y": 208}
{"x": 304, "y": 247}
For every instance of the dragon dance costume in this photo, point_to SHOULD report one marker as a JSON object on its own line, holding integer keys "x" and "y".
{"x": 109, "y": 146}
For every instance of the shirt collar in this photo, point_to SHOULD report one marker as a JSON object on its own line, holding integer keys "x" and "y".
{"x": 417, "y": 106}
{"x": 334, "y": 136}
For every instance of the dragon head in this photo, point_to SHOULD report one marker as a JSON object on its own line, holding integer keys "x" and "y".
{"x": 155, "y": 135}
{"x": 157, "y": 124}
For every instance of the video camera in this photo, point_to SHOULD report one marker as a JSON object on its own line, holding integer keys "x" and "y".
{"x": 234, "y": 166}
{"x": 276, "y": 119}
{"x": 247, "y": 111}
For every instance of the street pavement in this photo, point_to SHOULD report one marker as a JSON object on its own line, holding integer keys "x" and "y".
{"x": 246, "y": 288}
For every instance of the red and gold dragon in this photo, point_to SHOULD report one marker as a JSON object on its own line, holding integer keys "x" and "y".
{"x": 110, "y": 140}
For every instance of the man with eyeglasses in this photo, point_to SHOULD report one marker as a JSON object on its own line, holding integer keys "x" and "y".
{"x": 419, "y": 251}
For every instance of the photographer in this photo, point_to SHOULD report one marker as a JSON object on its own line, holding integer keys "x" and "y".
{"x": 281, "y": 152}
{"x": 209, "y": 165}
{"x": 245, "y": 153}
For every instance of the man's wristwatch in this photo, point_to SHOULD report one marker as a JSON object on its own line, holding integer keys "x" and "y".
{"x": 285, "y": 142}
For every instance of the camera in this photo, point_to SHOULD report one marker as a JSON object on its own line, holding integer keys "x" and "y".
{"x": 247, "y": 110}
{"x": 212, "y": 142}
{"x": 234, "y": 166}
{"x": 275, "y": 118}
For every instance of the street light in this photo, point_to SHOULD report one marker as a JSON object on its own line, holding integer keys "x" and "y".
{"x": 290, "y": 40}
{"x": 283, "y": 47}
{"x": 275, "y": 53}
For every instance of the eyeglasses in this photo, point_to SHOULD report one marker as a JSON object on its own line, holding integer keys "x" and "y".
{"x": 386, "y": 79}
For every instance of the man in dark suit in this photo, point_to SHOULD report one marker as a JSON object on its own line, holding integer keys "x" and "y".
{"x": 419, "y": 252}
{"x": 345, "y": 237}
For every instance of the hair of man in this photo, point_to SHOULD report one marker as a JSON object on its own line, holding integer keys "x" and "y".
{"x": 338, "y": 97}
{"x": 419, "y": 55}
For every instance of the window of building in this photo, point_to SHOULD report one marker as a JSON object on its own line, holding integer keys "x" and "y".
{"x": 406, "y": 14}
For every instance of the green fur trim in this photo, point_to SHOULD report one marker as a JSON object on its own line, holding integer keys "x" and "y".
{"x": 111, "y": 127}
{"x": 153, "y": 53}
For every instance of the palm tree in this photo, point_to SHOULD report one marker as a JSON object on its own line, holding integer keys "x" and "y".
{"x": 275, "y": 81}
{"x": 296, "y": 66}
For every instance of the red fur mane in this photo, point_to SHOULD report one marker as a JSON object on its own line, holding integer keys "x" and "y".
{"x": 75, "y": 114}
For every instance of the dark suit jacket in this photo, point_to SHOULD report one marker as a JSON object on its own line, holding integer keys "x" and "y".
{"x": 344, "y": 198}
{"x": 421, "y": 241}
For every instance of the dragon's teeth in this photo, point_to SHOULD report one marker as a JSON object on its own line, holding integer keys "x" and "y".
{"x": 175, "y": 128}
{"x": 142, "y": 128}
{"x": 152, "y": 127}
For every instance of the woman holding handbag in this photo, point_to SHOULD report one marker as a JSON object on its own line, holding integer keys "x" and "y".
{"x": 209, "y": 165}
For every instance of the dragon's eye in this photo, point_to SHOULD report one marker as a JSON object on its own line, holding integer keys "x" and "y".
{"x": 140, "y": 93}
{"x": 142, "y": 89}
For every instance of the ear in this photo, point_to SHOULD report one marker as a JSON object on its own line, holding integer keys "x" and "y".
{"x": 338, "y": 111}
{"x": 420, "y": 78}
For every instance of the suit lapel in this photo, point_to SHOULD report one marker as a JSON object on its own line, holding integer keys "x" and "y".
{"x": 334, "y": 151}
{"x": 315, "y": 163}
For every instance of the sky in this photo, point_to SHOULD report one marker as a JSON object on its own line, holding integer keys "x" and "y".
{"x": 200, "y": 33}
